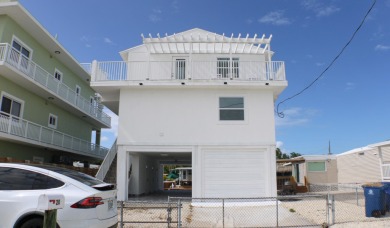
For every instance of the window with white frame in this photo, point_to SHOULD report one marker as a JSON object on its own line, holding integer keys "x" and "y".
{"x": 316, "y": 166}
{"x": 11, "y": 106}
{"x": 231, "y": 108}
{"x": 180, "y": 68}
{"x": 58, "y": 75}
{"x": 228, "y": 68}
{"x": 20, "y": 53}
{"x": 53, "y": 121}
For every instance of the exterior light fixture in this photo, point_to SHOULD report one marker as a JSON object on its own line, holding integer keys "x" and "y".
{"x": 57, "y": 52}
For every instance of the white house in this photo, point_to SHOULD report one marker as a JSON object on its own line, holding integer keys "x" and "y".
{"x": 366, "y": 164}
{"x": 195, "y": 98}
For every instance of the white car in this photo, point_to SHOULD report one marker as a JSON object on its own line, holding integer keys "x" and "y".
{"x": 88, "y": 202}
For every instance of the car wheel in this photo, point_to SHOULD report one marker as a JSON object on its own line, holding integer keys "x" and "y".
{"x": 33, "y": 223}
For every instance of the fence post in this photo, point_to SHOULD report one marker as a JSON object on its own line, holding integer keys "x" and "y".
{"x": 357, "y": 197}
{"x": 121, "y": 225}
{"x": 223, "y": 212}
{"x": 169, "y": 212}
{"x": 331, "y": 207}
{"x": 179, "y": 213}
{"x": 277, "y": 211}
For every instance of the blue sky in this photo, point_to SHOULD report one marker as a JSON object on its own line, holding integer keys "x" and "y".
{"x": 349, "y": 105}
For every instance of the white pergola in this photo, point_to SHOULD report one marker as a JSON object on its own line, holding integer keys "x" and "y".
{"x": 203, "y": 42}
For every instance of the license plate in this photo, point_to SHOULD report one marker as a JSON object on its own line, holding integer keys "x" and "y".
{"x": 110, "y": 204}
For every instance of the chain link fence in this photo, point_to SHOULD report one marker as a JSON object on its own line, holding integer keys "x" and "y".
{"x": 349, "y": 204}
{"x": 286, "y": 211}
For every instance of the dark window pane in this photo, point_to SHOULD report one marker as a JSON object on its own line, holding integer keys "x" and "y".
{"x": 25, "y": 52}
{"x": 16, "y": 179}
{"x": 231, "y": 102}
{"x": 16, "y": 45}
{"x": 6, "y": 105}
{"x": 81, "y": 177}
{"x": 227, "y": 114}
{"x": 16, "y": 108}
{"x": 45, "y": 182}
{"x": 19, "y": 179}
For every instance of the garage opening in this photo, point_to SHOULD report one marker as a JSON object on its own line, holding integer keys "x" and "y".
{"x": 157, "y": 175}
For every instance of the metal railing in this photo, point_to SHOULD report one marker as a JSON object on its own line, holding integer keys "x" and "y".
{"x": 16, "y": 126}
{"x": 195, "y": 70}
{"x": 28, "y": 68}
{"x": 106, "y": 164}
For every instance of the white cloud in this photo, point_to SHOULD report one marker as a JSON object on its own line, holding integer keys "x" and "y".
{"x": 279, "y": 144}
{"x": 327, "y": 10}
{"x": 108, "y": 41}
{"x": 275, "y": 18}
{"x": 295, "y": 117}
{"x": 319, "y": 8}
{"x": 104, "y": 139}
{"x": 84, "y": 38}
{"x": 175, "y": 5}
{"x": 381, "y": 47}
{"x": 249, "y": 21}
{"x": 155, "y": 16}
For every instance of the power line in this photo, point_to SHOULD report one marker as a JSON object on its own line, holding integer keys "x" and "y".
{"x": 281, "y": 114}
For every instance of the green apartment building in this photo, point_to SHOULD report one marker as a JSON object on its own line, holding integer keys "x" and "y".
{"x": 48, "y": 111}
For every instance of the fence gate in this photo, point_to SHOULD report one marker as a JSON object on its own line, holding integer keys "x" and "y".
{"x": 145, "y": 214}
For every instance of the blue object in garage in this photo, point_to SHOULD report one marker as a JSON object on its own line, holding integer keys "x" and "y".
{"x": 375, "y": 200}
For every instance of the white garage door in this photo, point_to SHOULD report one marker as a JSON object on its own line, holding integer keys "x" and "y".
{"x": 234, "y": 173}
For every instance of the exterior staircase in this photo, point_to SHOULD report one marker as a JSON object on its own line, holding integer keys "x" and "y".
{"x": 107, "y": 170}
{"x": 111, "y": 174}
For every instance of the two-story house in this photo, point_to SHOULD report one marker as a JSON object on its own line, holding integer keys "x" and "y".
{"x": 48, "y": 110}
{"x": 195, "y": 98}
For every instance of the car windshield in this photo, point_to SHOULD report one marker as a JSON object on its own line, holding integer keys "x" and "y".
{"x": 81, "y": 177}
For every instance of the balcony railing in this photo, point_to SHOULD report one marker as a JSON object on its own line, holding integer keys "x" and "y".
{"x": 30, "y": 69}
{"x": 16, "y": 126}
{"x": 195, "y": 70}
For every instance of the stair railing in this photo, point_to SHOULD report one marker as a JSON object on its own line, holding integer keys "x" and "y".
{"x": 106, "y": 164}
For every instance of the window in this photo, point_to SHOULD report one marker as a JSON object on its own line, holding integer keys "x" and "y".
{"x": 231, "y": 108}
{"x": 180, "y": 68}
{"x": 225, "y": 71}
{"x": 53, "y": 121}
{"x": 20, "y": 179}
{"x": 11, "y": 106}
{"x": 58, "y": 75}
{"x": 20, "y": 53}
{"x": 316, "y": 166}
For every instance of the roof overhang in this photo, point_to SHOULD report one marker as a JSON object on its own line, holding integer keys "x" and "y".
{"x": 21, "y": 16}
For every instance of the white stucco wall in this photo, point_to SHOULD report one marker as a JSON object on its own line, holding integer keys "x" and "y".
{"x": 187, "y": 116}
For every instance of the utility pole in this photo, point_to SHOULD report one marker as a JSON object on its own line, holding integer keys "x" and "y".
{"x": 329, "y": 151}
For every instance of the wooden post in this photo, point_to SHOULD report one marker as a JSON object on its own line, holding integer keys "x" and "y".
{"x": 50, "y": 219}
